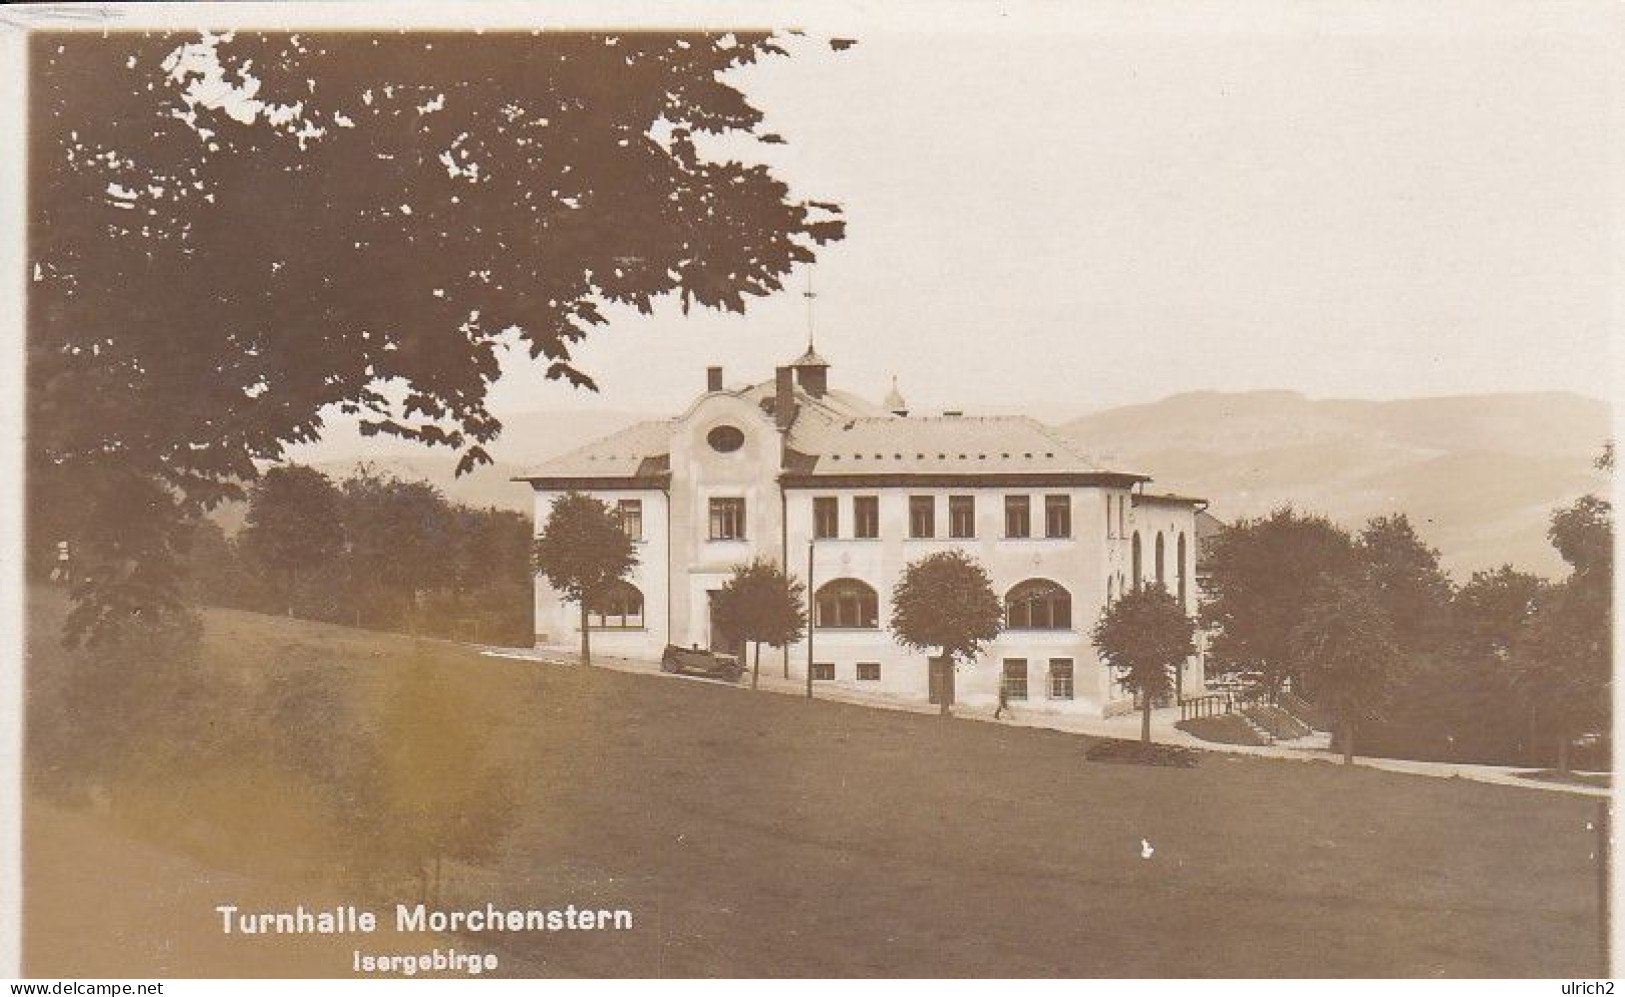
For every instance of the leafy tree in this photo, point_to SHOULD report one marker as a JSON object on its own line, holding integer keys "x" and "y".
{"x": 493, "y": 575}
{"x": 217, "y": 268}
{"x": 1262, "y": 576}
{"x": 1345, "y": 644}
{"x": 945, "y": 602}
{"x": 1583, "y": 534}
{"x": 1563, "y": 665}
{"x": 1491, "y": 610}
{"x": 759, "y": 603}
{"x": 581, "y": 550}
{"x": 1565, "y": 661}
{"x": 402, "y": 542}
{"x": 1146, "y": 635}
{"x": 293, "y": 524}
{"x": 1407, "y": 582}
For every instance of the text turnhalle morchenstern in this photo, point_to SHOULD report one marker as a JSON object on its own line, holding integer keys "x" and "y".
{"x": 347, "y": 919}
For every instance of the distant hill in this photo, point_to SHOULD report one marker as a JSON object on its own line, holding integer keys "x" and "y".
{"x": 1478, "y": 474}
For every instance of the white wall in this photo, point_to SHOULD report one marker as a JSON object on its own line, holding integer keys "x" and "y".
{"x": 558, "y": 623}
{"x": 699, "y": 473}
{"x": 1077, "y": 564}
{"x": 1151, "y": 517}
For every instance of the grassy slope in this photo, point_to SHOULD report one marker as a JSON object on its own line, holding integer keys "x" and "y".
{"x": 759, "y": 834}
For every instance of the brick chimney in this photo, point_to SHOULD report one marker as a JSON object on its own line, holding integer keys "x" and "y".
{"x": 713, "y": 379}
{"x": 784, "y": 397}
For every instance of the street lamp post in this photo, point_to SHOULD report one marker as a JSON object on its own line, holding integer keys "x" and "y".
{"x": 812, "y": 622}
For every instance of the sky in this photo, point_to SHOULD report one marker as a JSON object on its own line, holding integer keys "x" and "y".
{"x": 1063, "y": 214}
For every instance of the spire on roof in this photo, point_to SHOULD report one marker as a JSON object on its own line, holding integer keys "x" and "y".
{"x": 809, "y": 359}
{"x": 812, "y": 370}
{"x": 894, "y": 402}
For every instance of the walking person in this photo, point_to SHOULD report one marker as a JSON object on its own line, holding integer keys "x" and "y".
{"x": 1004, "y": 700}
{"x": 62, "y": 570}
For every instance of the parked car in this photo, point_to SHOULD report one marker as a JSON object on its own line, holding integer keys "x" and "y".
{"x": 694, "y": 661}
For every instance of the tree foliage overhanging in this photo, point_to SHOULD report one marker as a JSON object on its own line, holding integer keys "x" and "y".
{"x": 231, "y": 236}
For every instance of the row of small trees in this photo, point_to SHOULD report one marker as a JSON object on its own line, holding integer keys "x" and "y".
{"x": 370, "y": 550}
{"x": 942, "y": 603}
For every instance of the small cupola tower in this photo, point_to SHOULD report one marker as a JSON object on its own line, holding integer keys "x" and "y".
{"x": 894, "y": 400}
{"x": 812, "y": 373}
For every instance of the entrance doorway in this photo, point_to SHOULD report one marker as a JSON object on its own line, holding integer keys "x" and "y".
{"x": 720, "y": 639}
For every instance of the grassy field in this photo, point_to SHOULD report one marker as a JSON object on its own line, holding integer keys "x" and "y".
{"x": 758, "y": 834}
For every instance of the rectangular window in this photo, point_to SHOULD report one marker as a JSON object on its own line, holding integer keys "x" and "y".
{"x": 868, "y": 671}
{"x": 727, "y": 519}
{"x": 866, "y": 517}
{"x": 1015, "y": 678}
{"x": 1017, "y": 517}
{"x": 631, "y": 513}
{"x": 922, "y": 517}
{"x": 1060, "y": 678}
{"x": 826, "y": 518}
{"x": 1122, "y": 516}
{"x": 1057, "y": 516}
{"x": 962, "y": 516}
{"x": 823, "y": 671}
{"x": 1111, "y": 517}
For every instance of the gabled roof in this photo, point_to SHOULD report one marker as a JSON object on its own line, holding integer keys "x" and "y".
{"x": 841, "y": 435}
{"x": 641, "y": 448}
{"x": 889, "y": 444}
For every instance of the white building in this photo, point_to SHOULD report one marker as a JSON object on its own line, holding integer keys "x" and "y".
{"x": 779, "y": 467}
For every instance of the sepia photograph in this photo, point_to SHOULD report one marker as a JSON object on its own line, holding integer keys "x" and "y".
{"x": 962, "y": 490}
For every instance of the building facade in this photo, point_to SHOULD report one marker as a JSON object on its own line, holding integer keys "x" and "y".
{"x": 843, "y": 494}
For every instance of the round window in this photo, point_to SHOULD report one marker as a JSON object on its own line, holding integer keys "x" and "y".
{"x": 725, "y": 439}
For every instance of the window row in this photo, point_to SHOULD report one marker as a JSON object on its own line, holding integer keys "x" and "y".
{"x": 1059, "y": 684}
{"x": 727, "y": 518}
{"x": 865, "y": 671}
{"x": 922, "y": 517}
{"x": 1159, "y": 564}
{"x": 850, "y": 604}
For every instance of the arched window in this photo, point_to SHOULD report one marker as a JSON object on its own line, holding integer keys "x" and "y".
{"x": 1038, "y": 604}
{"x": 1162, "y": 574}
{"x": 1179, "y": 552}
{"x": 846, "y": 604}
{"x": 618, "y": 608}
{"x": 1137, "y": 575}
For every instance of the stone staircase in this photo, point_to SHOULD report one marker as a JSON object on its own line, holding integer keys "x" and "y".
{"x": 1260, "y": 730}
